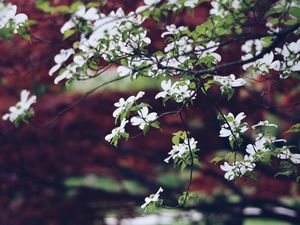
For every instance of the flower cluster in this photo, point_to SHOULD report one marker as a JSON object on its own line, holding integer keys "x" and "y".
{"x": 261, "y": 151}
{"x": 143, "y": 120}
{"x": 229, "y": 82}
{"x": 181, "y": 151}
{"x": 219, "y": 8}
{"x": 9, "y": 17}
{"x": 288, "y": 54}
{"x": 180, "y": 91}
{"x": 109, "y": 37}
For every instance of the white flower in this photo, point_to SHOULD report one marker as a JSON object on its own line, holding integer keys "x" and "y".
{"x": 172, "y": 29}
{"x": 248, "y": 46}
{"x": 67, "y": 74}
{"x": 238, "y": 169}
{"x": 21, "y": 107}
{"x": 149, "y": 5}
{"x": 294, "y": 47}
{"x": 209, "y": 50}
{"x": 90, "y": 14}
{"x": 217, "y": 9}
{"x": 60, "y": 58}
{"x": 263, "y": 64}
{"x": 230, "y": 171}
{"x": 124, "y": 71}
{"x": 263, "y": 124}
{"x": 235, "y": 126}
{"x": 183, "y": 45}
{"x": 124, "y": 105}
{"x": 167, "y": 88}
{"x": 179, "y": 150}
{"x": 117, "y": 132}
{"x": 236, "y": 4}
{"x": 152, "y": 198}
{"x": 8, "y": 13}
{"x": 286, "y": 154}
{"x": 190, "y": 3}
{"x": 143, "y": 119}
{"x": 229, "y": 81}
{"x": 179, "y": 91}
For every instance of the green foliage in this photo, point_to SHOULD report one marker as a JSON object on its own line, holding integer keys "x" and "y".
{"x": 189, "y": 199}
{"x": 294, "y": 129}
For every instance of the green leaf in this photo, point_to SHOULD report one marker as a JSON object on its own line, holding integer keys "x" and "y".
{"x": 284, "y": 173}
{"x": 75, "y": 6}
{"x": 69, "y": 33}
{"x": 155, "y": 125}
{"x": 294, "y": 129}
{"x": 217, "y": 159}
{"x": 295, "y": 75}
{"x": 176, "y": 139}
{"x": 295, "y": 11}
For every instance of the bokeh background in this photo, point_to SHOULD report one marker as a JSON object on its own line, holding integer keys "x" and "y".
{"x": 67, "y": 174}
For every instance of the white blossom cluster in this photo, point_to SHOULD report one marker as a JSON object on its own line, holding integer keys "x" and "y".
{"x": 287, "y": 63}
{"x": 218, "y": 8}
{"x": 10, "y": 18}
{"x": 101, "y": 35}
{"x": 179, "y": 91}
{"x": 229, "y": 82}
{"x": 150, "y": 4}
{"x": 182, "y": 150}
{"x": 143, "y": 120}
{"x": 263, "y": 148}
{"x": 121, "y": 39}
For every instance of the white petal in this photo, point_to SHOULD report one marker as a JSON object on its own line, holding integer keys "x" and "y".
{"x": 20, "y": 18}
{"x": 123, "y": 71}
{"x": 67, "y": 26}
{"x": 54, "y": 69}
{"x": 152, "y": 116}
{"x": 24, "y": 95}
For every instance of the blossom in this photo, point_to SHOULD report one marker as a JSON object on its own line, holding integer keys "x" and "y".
{"x": 144, "y": 118}
{"x": 230, "y": 170}
{"x": 124, "y": 105}
{"x": 124, "y": 71}
{"x": 209, "y": 50}
{"x": 286, "y": 154}
{"x": 60, "y": 58}
{"x": 117, "y": 132}
{"x": 183, "y": 45}
{"x": 166, "y": 85}
{"x": 179, "y": 150}
{"x": 235, "y": 126}
{"x": 238, "y": 169}
{"x": 264, "y": 124}
{"x": 190, "y": 3}
{"x": 149, "y": 5}
{"x": 229, "y": 81}
{"x": 21, "y": 107}
{"x": 179, "y": 91}
{"x": 152, "y": 198}
{"x": 8, "y": 13}
{"x": 248, "y": 46}
{"x": 90, "y": 14}
{"x": 172, "y": 30}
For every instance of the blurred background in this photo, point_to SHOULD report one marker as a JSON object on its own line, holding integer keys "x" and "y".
{"x": 67, "y": 174}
